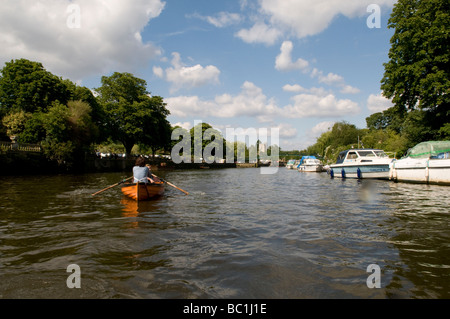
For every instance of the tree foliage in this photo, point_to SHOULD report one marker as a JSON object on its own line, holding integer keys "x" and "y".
{"x": 39, "y": 107}
{"x": 27, "y": 86}
{"x": 417, "y": 74}
{"x": 205, "y": 140}
{"x": 342, "y": 135}
{"x": 132, "y": 115}
{"x": 15, "y": 122}
{"x": 67, "y": 120}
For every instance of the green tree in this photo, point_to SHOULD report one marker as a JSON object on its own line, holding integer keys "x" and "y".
{"x": 344, "y": 133}
{"x": 417, "y": 74}
{"x": 27, "y": 86}
{"x": 83, "y": 94}
{"x": 342, "y": 136}
{"x": 69, "y": 132}
{"x": 391, "y": 118}
{"x": 15, "y": 122}
{"x": 83, "y": 131}
{"x": 33, "y": 131}
{"x": 387, "y": 140}
{"x": 208, "y": 141}
{"x": 129, "y": 110}
{"x": 57, "y": 144}
{"x": 157, "y": 132}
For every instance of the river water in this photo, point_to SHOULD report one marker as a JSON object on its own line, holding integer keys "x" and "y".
{"x": 239, "y": 234}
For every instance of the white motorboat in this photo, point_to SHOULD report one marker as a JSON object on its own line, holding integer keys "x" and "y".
{"x": 427, "y": 162}
{"x": 290, "y": 164}
{"x": 310, "y": 164}
{"x": 361, "y": 163}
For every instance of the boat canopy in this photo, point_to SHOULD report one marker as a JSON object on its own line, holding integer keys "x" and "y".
{"x": 430, "y": 149}
{"x": 306, "y": 157}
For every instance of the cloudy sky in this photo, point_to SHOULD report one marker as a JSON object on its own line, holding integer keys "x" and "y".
{"x": 295, "y": 65}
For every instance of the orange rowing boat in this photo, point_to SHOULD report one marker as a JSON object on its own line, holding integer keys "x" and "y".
{"x": 141, "y": 191}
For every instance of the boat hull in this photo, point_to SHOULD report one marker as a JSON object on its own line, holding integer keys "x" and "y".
{"x": 143, "y": 192}
{"x": 310, "y": 168}
{"x": 375, "y": 171}
{"x": 425, "y": 171}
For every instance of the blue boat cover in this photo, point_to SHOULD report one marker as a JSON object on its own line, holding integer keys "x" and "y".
{"x": 304, "y": 158}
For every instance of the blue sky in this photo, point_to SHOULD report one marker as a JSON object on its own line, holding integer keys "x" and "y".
{"x": 295, "y": 65}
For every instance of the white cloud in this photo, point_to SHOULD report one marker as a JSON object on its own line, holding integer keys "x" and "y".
{"x": 260, "y": 33}
{"x": 321, "y": 127}
{"x": 287, "y": 131}
{"x": 310, "y": 105}
{"x": 378, "y": 103}
{"x": 310, "y": 136}
{"x": 294, "y": 88}
{"x": 310, "y": 17}
{"x": 348, "y": 89}
{"x": 299, "y": 18}
{"x": 249, "y": 102}
{"x": 39, "y": 31}
{"x": 184, "y": 106}
{"x": 333, "y": 79}
{"x": 185, "y": 125}
{"x": 158, "y": 71}
{"x": 223, "y": 19}
{"x": 182, "y": 76}
{"x": 284, "y": 61}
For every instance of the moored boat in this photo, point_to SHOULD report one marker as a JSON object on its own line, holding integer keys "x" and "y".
{"x": 427, "y": 162}
{"x": 142, "y": 191}
{"x": 290, "y": 164}
{"x": 361, "y": 163}
{"x": 310, "y": 164}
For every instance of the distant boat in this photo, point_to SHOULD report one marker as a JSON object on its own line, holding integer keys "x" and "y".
{"x": 290, "y": 164}
{"x": 361, "y": 163}
{"x": 142, "y": 191}
{"x": 427, "y": 162}
{"x": 310, "y": 164}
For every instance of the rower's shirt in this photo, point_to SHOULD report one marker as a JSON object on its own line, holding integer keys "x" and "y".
{"x": 140, "y": 174}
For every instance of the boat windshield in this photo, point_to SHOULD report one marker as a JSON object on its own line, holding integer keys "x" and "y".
{"x": 341, "y": 157}
{"x": 366, "y": 154}
{"x": 380, "y": 153}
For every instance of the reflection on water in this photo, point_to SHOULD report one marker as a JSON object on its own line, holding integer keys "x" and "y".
{"x": 422, "y": 237}
{"x": 239, "y": 234}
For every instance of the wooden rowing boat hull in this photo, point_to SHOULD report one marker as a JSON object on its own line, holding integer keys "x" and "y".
{"x": 142, "y": 192}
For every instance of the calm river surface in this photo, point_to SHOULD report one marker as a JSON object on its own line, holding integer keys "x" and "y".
{"x": 239, "y": 234}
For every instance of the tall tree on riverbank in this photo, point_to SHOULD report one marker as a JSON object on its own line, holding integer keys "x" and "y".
{"x": 27, "y": 86}
{"x": 132, "y": 115}
{"x": 39, "y": 107}
{"x": 417, "y": 77}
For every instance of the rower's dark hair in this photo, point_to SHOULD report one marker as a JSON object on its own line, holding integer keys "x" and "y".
{"x": 140, "y": 161}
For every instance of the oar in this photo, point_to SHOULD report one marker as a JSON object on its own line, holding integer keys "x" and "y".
{"x": 112, "y": 186}
{"x": 170, "y": 184}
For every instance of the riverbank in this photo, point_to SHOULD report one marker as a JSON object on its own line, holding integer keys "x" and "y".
{"x": 126, "y": 164}
{"x": 29, "y": 163}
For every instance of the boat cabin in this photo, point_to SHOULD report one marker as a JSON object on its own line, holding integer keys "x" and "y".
{"x": 305, "y": 158}
{"x": 364, "y": 155}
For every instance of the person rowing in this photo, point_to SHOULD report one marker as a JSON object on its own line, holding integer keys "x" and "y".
{"x": 141, "y": 172}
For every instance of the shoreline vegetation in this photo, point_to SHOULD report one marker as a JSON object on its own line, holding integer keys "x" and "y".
{"x": 69, "y": 123}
